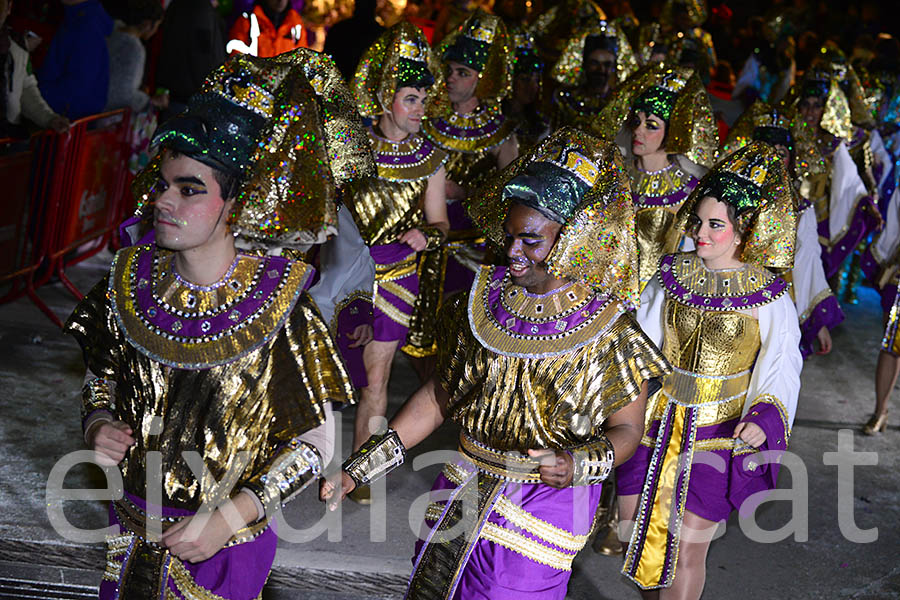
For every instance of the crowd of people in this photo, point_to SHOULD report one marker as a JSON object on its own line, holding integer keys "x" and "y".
{"x": 607, "y": 240}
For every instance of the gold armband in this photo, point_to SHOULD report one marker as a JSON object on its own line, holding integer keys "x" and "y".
{"x": 96, "y": 395}
{"x": 298, "y": 465}
{"x": 434, "y": 237}
{"x": 380, "y": 455}
{"x": 593, "y": 461}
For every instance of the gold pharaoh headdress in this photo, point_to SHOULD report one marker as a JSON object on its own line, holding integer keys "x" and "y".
{"x": 569, "y": 70}
{"x": 835, "y": 62}
{"x": 401, "y": 52}
{"x": 821, "y": 83}
{"x": 756, "y": 183}
{"x": 597, "y": 244}
{"x": 696, "y": 10}
{"x": 559, "y": 23}
{"x": 481, "y": 43}
{"x": 690, "y": 124}
{"x": 307, "y": 141}
{"x": 763, "y": 122}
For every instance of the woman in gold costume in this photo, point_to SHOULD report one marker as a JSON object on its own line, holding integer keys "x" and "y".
{"x": 194, "y": 348}
{"x": 544, "y": 369}
{"x": 402, "y": 211}
{"x": 729, "y": 328}
{"x": 669, "y": 140}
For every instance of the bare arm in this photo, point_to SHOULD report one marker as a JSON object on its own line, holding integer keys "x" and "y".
{"x": 435, "y": 208}
{"x": 625, "y": 427}
{"x": 507, "y": 152}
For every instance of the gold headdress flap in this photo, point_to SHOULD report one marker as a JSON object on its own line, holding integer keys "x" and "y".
{"x": 402, "y": 48}
{"x": 569, "y": 70}
{"x": 696, "y": 11}
{"x": 691, "y": 127}
{"x": 597, "y": 244}
{"x": 311, "y": 143}
{"x": 755, "y": 182}
{"x": 561, "y": 22}
{"x": 821, "y": 83}
{"x": 481, "y": 43}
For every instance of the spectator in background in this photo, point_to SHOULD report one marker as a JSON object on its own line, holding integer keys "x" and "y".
{"x": 271, "y": 28}
{"x": 347, "y": 40}
{"x": 193, "y": 44}
{"x": 127, "y": 56}
{"x": 74, "y": 77}
{"x": 19, "y": 92}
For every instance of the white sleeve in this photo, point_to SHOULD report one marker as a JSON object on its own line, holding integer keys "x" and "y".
{"x": 886, "y": 242}
{"x": 748, "y": 78}
{"x": 881, "y": 156}
{"x": 650, "y": 312}
{"x": 345, "y": 266}
{"x": 808, "y": 273}
{"x": 847, "y": 188}
{"x": 776, "y": 373}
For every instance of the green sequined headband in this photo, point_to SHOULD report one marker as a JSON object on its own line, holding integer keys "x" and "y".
{"x": 469, "y": 52}
{"x": 732, "y": 189}
{"x": 412, "y": 73}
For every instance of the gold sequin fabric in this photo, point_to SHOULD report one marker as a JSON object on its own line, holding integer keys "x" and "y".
{"x": 386, "y": 206}
{"x": 597, "y": 246}
{"x": 836, "y": 116}
{"x": 511, "y": 402}
{"x": 240, "y": 415}
{"x": 577, "y": 107}
{"x": 769, "y": 226}
{"x": 691, "y": 129}
{"x": 375, "y": 81}
{"x": 569, "y": 70}
{"x": 312, "y": 144}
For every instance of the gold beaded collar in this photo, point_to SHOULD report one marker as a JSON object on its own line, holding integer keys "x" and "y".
{"x": 482, "y": 129}
{"x": 412, "y": 159}
{"x": 670, "y": 185}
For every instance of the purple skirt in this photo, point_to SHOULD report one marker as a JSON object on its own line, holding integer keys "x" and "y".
{"x": 236, "y": 573}
{"x": 520, "y": 530}
{"x": 396, "y": 288}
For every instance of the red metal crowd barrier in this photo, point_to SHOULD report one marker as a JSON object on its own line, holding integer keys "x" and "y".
{"x": 66, "y": 194}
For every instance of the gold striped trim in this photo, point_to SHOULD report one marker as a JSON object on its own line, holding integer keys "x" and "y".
{"x": 434, "y": 511}
{"x": 527, "y": 547}
{"x": 455, "y": 473}
{"x": 782, "y": 410}
{"x": 546, "y": 531}
{"x": 505, "y": 465}
{"x": 397, "y": 290}
{"x": 393, "y": 313}
{"x": 397, "y": 270}
{"x": 713, "y": 444}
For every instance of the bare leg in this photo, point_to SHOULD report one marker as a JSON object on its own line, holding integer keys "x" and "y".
{"x": 423, "y": 366}
{"x": 377, "y": 357}
{"x": 885, "y": 378}
{"x": 627, "y": 511}
{"x": 690, "y": 571}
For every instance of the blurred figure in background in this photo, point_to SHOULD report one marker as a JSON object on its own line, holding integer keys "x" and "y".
{"x": 271, "y": 28}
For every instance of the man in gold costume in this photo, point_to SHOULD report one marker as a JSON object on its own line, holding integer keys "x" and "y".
{"x": 545, "y": 370}
{"x": 210, "y": 370}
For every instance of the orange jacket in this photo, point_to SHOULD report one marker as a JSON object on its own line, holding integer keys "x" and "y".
{"x": 291, "y": 34}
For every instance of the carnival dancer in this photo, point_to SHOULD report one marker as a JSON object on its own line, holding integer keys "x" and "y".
{"x": 546, "y": 372}
{"x": 729, "y": 328}
{"x": 817, "y": 307}
{"x": 525, "y": 101}
{"x": 196, "y": 348}
{"x": 846, "y": 213}
{"x": 593, "y": 63}
{"x": 471, "y": 128}
{"x": 669, "y": 140}
{"x": 402, "y": 211}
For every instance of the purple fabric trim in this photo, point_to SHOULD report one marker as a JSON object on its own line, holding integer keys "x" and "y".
{"x": 489, "y": 128}
{"x": 386, "y": 254}
{"x": 458, "y": 217}
{"x": 744, "y": 482}
{"x": 522, "y": 327}
{"x": 682, "y": 294}
{"x": 236, "y": 573}
{"x": 270, "y": 275}
{"x": 826, "y": 313}
{"x": 887, "y": 190}
{"x": 404, "y": 160}
{"x": 356, "y": 313}
{"x": 125, "y": 236}
{"x": 673, "y": 199}
{"x": 888, "y": 296}
{"x": 457, "y": 277}
{"x": 861, "y": 224}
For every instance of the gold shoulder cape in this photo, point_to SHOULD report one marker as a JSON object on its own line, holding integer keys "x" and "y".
{"x": 198, "y": 327}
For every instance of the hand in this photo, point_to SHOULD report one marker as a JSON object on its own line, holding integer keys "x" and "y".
{"x": 362, "y": 335}
{"x": 198, "y": 545}
{"x": 824, "y": 337}
{"x": 110, "y": 441}
{"x": 32, "y": 41}
{"x": 557, "y": 468}
{"x": 415, "y": 239}
{"x": 454, "y": 191}
{"x": 328, "y": 487}
{"x": 59, "y": 124}
{"x": 160, "y": 101}
{"x": 751, "y": 433}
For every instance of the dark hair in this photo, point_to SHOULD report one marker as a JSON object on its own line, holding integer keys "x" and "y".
{"x": 229, "y": 183}
{"x": 632, "y": 123}
{"x": 137, "y": 12}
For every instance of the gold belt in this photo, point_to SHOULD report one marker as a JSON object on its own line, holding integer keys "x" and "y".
{"x": 505, "y": 465}
{"x": 693, "y": 389}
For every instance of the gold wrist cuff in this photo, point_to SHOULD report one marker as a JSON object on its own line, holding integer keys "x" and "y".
{"x": 380, "y": 455}
{"x": 434, "y": 237}
{"x": 593, "y": 462}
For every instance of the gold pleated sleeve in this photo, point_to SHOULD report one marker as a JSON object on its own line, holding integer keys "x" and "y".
{"x": 90, "y": 324}
{"x": 560, "y": 402}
